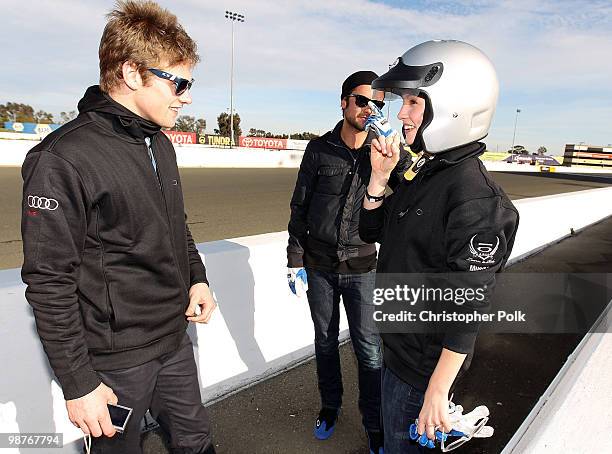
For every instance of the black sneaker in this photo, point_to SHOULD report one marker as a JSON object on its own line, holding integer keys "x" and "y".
{"x": 376, "y": 442}
{"x": 326, "y": 423}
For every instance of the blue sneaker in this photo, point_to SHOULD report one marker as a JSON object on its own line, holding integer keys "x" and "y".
{"x": 326, "y": 423}
{"x": 376, "y": 442}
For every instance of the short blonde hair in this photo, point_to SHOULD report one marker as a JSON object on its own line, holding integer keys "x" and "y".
{"x": 145, "y": 34}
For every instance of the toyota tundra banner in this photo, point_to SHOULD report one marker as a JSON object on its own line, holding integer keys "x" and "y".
{"x": 263, "y": 142}
{"x": 181, "y": 138}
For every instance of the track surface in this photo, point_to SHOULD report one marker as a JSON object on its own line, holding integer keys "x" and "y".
{"x": 228, "y": 203}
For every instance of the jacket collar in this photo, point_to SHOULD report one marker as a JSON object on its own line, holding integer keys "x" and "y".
{"x": 122, "y": 120}
{"x": 454, "y": 157}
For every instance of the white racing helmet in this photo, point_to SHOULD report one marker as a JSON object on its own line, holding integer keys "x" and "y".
{"x": 460, "y": 87}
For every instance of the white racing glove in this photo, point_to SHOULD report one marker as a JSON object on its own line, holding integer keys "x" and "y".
{"x": 298, "y": 281}
{"x": 464, "y": 428}
{"x": 378, "y": 122}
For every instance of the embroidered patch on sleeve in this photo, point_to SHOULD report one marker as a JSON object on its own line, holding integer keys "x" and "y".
{"x": 483, "y": 251}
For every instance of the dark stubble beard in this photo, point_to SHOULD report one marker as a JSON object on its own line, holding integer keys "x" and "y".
{"x": 353, "y": 122}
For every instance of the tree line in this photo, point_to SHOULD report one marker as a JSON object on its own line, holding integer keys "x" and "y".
{"x": 188, "y": 123}
{"x": 253, "y": 132}
{"x": 24, "y": 113}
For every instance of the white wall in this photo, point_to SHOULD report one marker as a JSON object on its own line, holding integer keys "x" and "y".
{"x": 545, "y": 220}
{"x": 13, "y": 152}
{"x": 500, "y": 166}
{"x": 575, "y": 412}
{"x": 259, "y": 329}
{"x": 200, "y": 156}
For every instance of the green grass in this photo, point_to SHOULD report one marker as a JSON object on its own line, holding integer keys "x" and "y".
{"x": 493, "y": 156}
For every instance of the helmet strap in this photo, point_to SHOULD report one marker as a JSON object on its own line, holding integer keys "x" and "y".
{"x": 419, "y": 163}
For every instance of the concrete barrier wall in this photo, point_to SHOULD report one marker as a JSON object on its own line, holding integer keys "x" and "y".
{"x": 576, "y": 409}
{"x": 260, "y": 328}
{"x": 500, "y": 166}
{"x": 200, "y": 156}
{"x": 548, "y": 219}
{"x": 13, "y": 152}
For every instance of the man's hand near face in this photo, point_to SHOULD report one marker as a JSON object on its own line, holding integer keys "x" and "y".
{"x": 200, "y": 297}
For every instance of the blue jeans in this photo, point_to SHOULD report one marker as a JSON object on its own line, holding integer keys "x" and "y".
{"x": 324, "y": 291}
{"x": 401, "y": 405}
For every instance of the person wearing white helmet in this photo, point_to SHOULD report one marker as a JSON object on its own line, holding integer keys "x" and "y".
{"x": 445, "y": 213}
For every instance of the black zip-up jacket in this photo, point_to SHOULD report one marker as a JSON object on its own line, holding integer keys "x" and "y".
{"x": 108, "y": 256}
{"x": 435, "y": 224}
{"x": 327, "y": 199}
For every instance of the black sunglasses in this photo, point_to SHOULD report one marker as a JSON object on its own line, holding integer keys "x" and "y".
{"x": 362, "y": 101}
{"x": 181, "y": 85}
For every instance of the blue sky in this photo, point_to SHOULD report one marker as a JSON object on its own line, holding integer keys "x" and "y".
{"x": 552, "y": 56}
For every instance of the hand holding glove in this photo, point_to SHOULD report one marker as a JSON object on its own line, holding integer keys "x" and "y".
{"x": 464, "y": 428}
{"x": 298, "y": 281}
{"x": 378, "y": 122}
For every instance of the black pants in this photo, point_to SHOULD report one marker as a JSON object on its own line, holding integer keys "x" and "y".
{"x": 169, "y": 388}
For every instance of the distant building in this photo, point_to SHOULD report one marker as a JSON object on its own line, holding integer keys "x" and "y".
{"x": 587, "y": 155}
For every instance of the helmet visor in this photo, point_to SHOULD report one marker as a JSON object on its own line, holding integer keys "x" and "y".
{"x": 397, "y": 93}
{"x": 403, "y": 79}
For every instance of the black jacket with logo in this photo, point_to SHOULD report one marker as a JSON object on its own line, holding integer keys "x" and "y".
{"x": 109, "y": 268}
{"x": 433, "y": 225}
{"x": 327, "y": 199}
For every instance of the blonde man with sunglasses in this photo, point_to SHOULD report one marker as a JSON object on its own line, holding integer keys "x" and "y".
{"x": 112, "y": 271}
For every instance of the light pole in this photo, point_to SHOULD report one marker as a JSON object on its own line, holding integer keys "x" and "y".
{"x": 518, "y": 111}
{"x": 233, "y": 17}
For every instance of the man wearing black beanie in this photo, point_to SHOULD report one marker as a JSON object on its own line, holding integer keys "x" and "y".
{"x": 327, "y": 257}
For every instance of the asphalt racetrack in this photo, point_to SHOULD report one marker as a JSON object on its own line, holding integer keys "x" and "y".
{"x": 228, "y": 203}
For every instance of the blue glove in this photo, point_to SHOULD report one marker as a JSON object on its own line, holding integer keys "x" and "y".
{"x": 464, "y": 428}
{"x": 378, "y": 122}
{"x": 426, "y": 442}
{"x": 298, "y": 281}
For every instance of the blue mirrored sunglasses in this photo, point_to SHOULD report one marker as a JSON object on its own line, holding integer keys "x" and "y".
{"x": 181, "y": 85}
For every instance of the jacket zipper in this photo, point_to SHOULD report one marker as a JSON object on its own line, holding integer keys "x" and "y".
{"x": 347, "y": 150}
{"x": 163, "y": 196}
{"x": 343, "y": 237}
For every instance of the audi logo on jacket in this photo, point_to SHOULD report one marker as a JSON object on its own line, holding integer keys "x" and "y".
{"x": 108, "y": 270}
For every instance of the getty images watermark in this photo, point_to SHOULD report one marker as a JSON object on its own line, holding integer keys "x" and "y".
{"x": 553, "y": 303}
{"x": 455, "y": 296}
